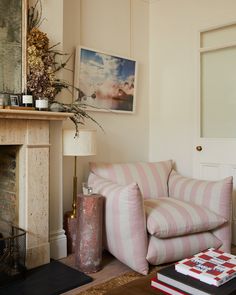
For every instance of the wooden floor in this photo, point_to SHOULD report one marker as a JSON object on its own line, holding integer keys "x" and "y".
{"x": 111, "y": 268}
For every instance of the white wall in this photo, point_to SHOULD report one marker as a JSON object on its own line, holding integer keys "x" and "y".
{"x": 161, "y": 35}
{"x": 52, "y": 24}
{"x": 174, "y": 27}
{"x": 119, "y": 27}
{"x": 113, "y": 26}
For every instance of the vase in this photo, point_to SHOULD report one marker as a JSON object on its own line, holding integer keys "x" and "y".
{"x": 27, "y": 100}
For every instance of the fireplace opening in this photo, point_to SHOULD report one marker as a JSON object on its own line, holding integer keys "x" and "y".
{"x": 12, "y": 238}
{"x": 12, "y": 251}
{"x": 9, "y": 202}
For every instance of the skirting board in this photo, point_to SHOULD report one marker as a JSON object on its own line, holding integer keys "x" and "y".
{"x": 58, "y": 244}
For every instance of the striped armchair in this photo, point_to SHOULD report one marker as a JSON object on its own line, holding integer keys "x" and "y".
{"x": 155, "y": 215}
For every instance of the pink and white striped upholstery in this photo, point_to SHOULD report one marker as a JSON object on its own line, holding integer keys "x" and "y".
{"x": 214, "y": 195}
{"x": 126, "y": 233}
{"x": 173, "y": 249}
{"x": 170, "y": 217}
{"x": 125, "y": 225}
{"x": 151, "y": 177}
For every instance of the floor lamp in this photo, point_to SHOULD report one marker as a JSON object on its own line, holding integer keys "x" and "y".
{"x": 82, "y": 145}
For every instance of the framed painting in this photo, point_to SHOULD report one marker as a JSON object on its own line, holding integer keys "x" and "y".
{"x": 13, "y": 19}
{"x": 105, "y": 82}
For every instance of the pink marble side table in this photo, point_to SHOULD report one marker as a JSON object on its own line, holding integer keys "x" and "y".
{"x": 88, "y": 249}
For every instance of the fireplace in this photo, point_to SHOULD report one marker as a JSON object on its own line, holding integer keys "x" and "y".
{"x": 26, "y": 138}
{"x": 8, "y": 183}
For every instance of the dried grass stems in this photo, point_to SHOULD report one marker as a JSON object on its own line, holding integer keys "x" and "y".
{"x": 43, "y": 62}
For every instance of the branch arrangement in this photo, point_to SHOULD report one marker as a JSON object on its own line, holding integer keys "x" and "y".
{"x": 42, "y": 63}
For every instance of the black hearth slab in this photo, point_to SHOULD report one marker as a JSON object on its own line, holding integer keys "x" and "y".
{"x": 53, "y": 278}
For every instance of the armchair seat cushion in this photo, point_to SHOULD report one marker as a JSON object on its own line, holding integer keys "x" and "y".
{"x": 173, "y": 249}
{"x": 169, "y": 217}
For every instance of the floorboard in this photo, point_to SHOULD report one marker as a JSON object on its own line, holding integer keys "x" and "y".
{"x": 111, "y": 268}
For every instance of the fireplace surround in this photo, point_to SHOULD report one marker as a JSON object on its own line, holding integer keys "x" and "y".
{"x": 39, "y": 180}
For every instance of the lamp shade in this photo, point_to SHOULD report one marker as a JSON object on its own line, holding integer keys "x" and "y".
{"x": 82, "y": 145}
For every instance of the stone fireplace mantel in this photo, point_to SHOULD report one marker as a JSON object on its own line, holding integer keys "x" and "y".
{"x": 39, "y": 137}
{"x": 33, "y": 115}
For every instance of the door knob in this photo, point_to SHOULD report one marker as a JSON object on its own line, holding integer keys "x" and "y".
{"x": 198, "y": 148}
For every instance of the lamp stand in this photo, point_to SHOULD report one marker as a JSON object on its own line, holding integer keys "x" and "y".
{"x": 70, "y": 220}
{"x": 73, "y": 215}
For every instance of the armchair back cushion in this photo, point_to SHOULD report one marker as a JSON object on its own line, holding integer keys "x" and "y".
{"x": 214, "y": 195}
{"x": 151, "y": 178}
{"x": 125, "y": 224}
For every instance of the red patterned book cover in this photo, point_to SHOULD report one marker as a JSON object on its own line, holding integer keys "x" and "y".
{"x": 165, "y": 288}
{"x": 212, "y": 266}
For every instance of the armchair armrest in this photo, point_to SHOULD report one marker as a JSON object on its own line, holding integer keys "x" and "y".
{"x": 125, "y": 233}
{"x": 214, "y": 195}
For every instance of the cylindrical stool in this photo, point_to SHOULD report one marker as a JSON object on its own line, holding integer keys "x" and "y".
{"x": 88, "y": 250}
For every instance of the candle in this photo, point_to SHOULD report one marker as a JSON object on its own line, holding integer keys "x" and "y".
{"x": 27, "y": 100}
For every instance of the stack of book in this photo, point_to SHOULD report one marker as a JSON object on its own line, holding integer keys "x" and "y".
{"x": 211, "y": 272}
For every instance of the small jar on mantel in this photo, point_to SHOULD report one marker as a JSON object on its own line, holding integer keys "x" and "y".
{"x": 41, "y": 104}
{"x": 27, "y": 100}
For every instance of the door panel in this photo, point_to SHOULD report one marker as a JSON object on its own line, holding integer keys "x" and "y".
{"x": 215, "y": 144}
{"x": 211, "y": 165}
{"x": 218, "y": 93}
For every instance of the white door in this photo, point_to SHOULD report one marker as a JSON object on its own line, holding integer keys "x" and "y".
{"x": 215, "y": 145}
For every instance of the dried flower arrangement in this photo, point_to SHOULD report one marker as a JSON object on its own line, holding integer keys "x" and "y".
{"x": 42, "y": 63}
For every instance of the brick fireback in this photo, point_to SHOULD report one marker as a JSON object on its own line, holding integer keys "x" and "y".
{"x": 8, "y": 183}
